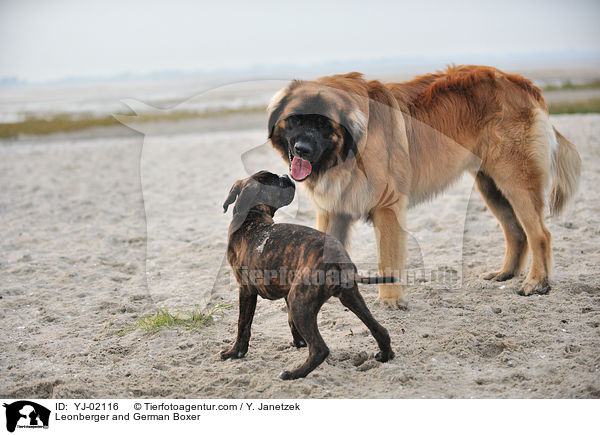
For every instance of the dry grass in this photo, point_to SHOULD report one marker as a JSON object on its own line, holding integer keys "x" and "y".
{"x": 567, "y": 86}
{"x": 585, "y": 106}
{"x": 61, "y": 123}
{"x": 163, "y": 318}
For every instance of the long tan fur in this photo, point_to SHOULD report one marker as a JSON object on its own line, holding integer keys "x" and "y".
{"x": 566, "y": 166}
{"x": 415, "y": 138}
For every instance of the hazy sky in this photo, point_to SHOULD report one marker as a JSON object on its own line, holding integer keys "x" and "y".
{"x": 46, "y": 39}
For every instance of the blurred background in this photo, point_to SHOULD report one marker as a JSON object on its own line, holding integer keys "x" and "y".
{"x": 66, "y": 65}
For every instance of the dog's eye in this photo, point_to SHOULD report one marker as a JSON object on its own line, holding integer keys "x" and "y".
{"x": 323, "y": 123}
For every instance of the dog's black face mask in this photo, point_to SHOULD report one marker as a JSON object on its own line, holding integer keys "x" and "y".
{"x": 263, "y": 191}
{"x": 313, "y": 143}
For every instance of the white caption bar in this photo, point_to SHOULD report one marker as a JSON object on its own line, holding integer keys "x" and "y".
{"x": 289, "y": 416}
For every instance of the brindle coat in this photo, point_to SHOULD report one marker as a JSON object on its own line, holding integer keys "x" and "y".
{"x": 257, "y": 247}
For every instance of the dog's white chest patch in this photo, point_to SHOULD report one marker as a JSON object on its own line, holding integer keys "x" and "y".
{"x": 260, "y": 247}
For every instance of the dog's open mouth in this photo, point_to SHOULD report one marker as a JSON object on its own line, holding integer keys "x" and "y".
{"x": 299, "y": 168}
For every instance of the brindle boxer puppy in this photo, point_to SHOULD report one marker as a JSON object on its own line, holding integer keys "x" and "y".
{"x": 300, "y": 264}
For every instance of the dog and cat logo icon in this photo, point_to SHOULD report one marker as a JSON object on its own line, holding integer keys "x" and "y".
{"x": 26, "y": 414}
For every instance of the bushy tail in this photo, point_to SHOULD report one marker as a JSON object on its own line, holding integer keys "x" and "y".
{"x": 376, "y": 279}
{"x": 565, "y": 169}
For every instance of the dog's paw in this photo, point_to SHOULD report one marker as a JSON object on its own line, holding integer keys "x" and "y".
{"x": 232, "y": 353}
{"x": 384, "y": 356}
{"x": 498, "y": 276}
{"x": 286, "y": 375}
{"x": 530, "y": 287}
{"x": 299, "y": 343}
{"x": 391, "y": 296}
{"x": 392, "y": 304}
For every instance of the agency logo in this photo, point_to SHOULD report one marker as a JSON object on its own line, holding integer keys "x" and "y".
{"x": 24, "y": 414}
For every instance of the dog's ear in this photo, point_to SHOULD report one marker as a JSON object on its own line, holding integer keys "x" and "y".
{"x": 275, "y": 109}
{"x": 233, "y": 193}
{"x": 356, "y": 123}
{"x": 247, "y": 196}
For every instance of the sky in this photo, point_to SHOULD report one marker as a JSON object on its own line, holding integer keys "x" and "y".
{"x": 43, "y": 40}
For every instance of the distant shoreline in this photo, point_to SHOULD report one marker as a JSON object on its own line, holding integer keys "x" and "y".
{"x": 65, "y": 123}
{"x": 566, "y": 99}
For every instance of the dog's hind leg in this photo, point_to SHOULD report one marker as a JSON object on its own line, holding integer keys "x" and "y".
{"x": 247, "y": 308}
{"x": 528, "y": 208}
{"x": 352, "y": 299}
{"x": 304, "y": 312}
{"x": 298, "y": 340}
{"x": 525, "y": 194}
{"x": 514, "y": 236}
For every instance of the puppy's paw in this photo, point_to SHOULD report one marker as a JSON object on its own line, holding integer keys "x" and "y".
{"x": 498, "y": 276}
{"x": 384, "y": 356}
{"x": 286, "y": 375}
{"x": 233, "y": 353}
{"x": 529, "y": 287}
{"x": 299, "y": 343}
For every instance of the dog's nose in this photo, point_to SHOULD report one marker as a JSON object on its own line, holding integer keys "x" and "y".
{"x": 302, "y": 149}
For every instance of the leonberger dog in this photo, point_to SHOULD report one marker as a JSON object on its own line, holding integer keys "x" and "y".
{"x": 365, "y": 149}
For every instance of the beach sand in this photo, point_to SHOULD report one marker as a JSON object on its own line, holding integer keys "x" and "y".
{"x": 96, "y": 231}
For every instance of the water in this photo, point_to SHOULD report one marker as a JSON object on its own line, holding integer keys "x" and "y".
{"x": 105, "y": 98}
{"x": 194, "y": 93}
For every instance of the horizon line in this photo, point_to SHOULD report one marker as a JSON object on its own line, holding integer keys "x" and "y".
{"x": 409, "y": 61}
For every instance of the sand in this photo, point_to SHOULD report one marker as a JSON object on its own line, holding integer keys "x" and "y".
{"x": 98, "y": 230}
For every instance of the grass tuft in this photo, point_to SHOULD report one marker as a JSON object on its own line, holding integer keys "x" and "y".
{"x": 162, "y": 318}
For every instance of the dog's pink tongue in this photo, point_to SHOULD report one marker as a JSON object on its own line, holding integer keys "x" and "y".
{"x": 300, "y": 168}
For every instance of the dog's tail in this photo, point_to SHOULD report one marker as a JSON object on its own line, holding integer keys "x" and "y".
{"x": 376, "y": 279}
{"x": 565, "y": 169}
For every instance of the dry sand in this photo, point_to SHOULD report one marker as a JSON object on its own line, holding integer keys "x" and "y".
{"x": 96, "y": 231}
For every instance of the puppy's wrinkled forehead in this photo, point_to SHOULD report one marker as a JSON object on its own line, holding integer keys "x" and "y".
{"x": 261, "y": 188}
{"x": 264, "y": 177}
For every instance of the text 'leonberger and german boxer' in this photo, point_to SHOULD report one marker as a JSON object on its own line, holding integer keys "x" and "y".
{"x": 365, "y": 149}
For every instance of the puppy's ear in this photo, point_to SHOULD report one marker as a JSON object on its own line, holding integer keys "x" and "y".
{"x": 233, "y": 193}
{"x": 248, "y": 196}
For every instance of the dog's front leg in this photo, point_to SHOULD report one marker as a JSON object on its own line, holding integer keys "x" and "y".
{"x": 322, "y": 220}
{"x": 338, "y": 225}
{"x": 247, "y": 308}
{"x": 391, "y": 247}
